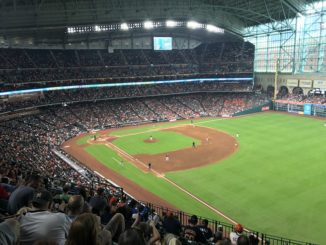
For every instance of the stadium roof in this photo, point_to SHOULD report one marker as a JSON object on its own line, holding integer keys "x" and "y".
{"x": 233, "y": 15}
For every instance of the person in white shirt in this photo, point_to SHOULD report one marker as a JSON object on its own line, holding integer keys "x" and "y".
{"x": 234, "y": 235}
{"x": 40, "y": 224}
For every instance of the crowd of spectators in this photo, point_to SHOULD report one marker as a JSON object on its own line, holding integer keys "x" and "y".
{"x": 41, "y": 217}
{"x": 93, "y": 94}
{"x": 27, "y": 144}
{"x": 45, "y": 199}
{"x": 18, "y": 66}
{"x": 310, "y": 98}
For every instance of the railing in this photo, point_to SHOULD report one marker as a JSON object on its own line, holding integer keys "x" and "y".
{"x": 226, "y": 227}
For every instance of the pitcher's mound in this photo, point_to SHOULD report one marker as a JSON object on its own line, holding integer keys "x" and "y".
{"x": 150, "y": 140}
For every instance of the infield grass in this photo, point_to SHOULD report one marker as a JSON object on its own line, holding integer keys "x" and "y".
{"x": 166, "y": 141}
{"x": 275, "y": 183}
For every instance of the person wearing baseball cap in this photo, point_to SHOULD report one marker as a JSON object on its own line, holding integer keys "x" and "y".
{"x": 234, "y": 235}
{"x": 41, "y": 224}
{"x": 23, "y": 195}
{"x": 42, "y": 199}
{"x": 192, "y": 231}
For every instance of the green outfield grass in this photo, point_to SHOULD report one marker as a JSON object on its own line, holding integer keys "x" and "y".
{"x": 166, "y": 141}
{"x": 274, "y": 183}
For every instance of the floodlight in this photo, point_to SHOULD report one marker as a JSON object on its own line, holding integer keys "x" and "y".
{"x": 171, "y": 23}
{"x": 71, "y": 30}
{"x": 193, "y": 25}
{"x": 212, "y": 28}
{"x": 124, "y": 26}
{"x": 97, "y": 28}
{"x": 148, "y": 24}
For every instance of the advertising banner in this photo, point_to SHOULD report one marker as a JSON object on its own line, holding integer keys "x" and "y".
{"x": 292, "y": 83}
{"x": 319, "y": 84}
{"x": 305, "y": 83}
{"x": 307, "y": 109}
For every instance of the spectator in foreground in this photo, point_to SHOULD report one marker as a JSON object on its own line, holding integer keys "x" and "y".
{"x": 207, "y": 232}
{"x": 23, "y": 195}
{"x": 9, "y": 232}
{"x": 218, "y": 234}
{"x": 75, "y": 206}
{"x": 116, "y": 226}
{"x": 224, "y": 241}
{"x": 131, "y": 237}
{"x": 41, "y": 224}
{"x": 253, "y": 239}
{"x": 64, "y": 196}
{"x": 234, "y": 235}
{"x": 98, "y": 203}
{"x": 171, "y": 224}
{"x": 86, "y": 230}
{"x": 192, "y": 231}
{"x": 243, "y": 240}
{"x": 148, "y": 230}
{"x": 170, "y": 239}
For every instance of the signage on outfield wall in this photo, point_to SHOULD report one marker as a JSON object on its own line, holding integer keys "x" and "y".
{"x": 319, "y": 84}
{"x": 305, "y": 83}
{"x": 292, "y": 83}
{"x": 307, "y": 109}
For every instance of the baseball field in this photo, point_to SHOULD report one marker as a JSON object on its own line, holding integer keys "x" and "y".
{"x": 266, "y": 171}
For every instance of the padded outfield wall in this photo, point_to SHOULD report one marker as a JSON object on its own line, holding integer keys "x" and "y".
{"x": 301, "y": 108}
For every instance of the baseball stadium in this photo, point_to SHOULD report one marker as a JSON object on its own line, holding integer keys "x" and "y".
{"x": 162, "y": 122}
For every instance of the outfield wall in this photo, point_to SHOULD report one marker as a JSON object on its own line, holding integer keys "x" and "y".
{"x": 265, "y": 107}
{"x": 301, "y": 108}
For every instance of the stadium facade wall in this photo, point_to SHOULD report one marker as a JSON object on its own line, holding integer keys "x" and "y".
{"x": 267, "y": 79}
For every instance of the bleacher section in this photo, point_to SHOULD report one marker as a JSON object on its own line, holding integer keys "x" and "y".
{"x": 19, "y": 66}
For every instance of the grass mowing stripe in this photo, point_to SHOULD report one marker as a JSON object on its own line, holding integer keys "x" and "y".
{"x": 275, "y": 181}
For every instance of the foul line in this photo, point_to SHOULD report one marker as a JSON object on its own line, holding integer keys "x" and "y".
{"x": 160, "y": 175}
{"x": 127, "y": 156}
{"x": 173, "y": 183}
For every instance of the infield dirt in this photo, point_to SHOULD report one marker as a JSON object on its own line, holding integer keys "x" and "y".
{"x": 215, "y": 146}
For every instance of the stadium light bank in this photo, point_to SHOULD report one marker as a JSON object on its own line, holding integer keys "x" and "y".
{"x": 148, "y": 24}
